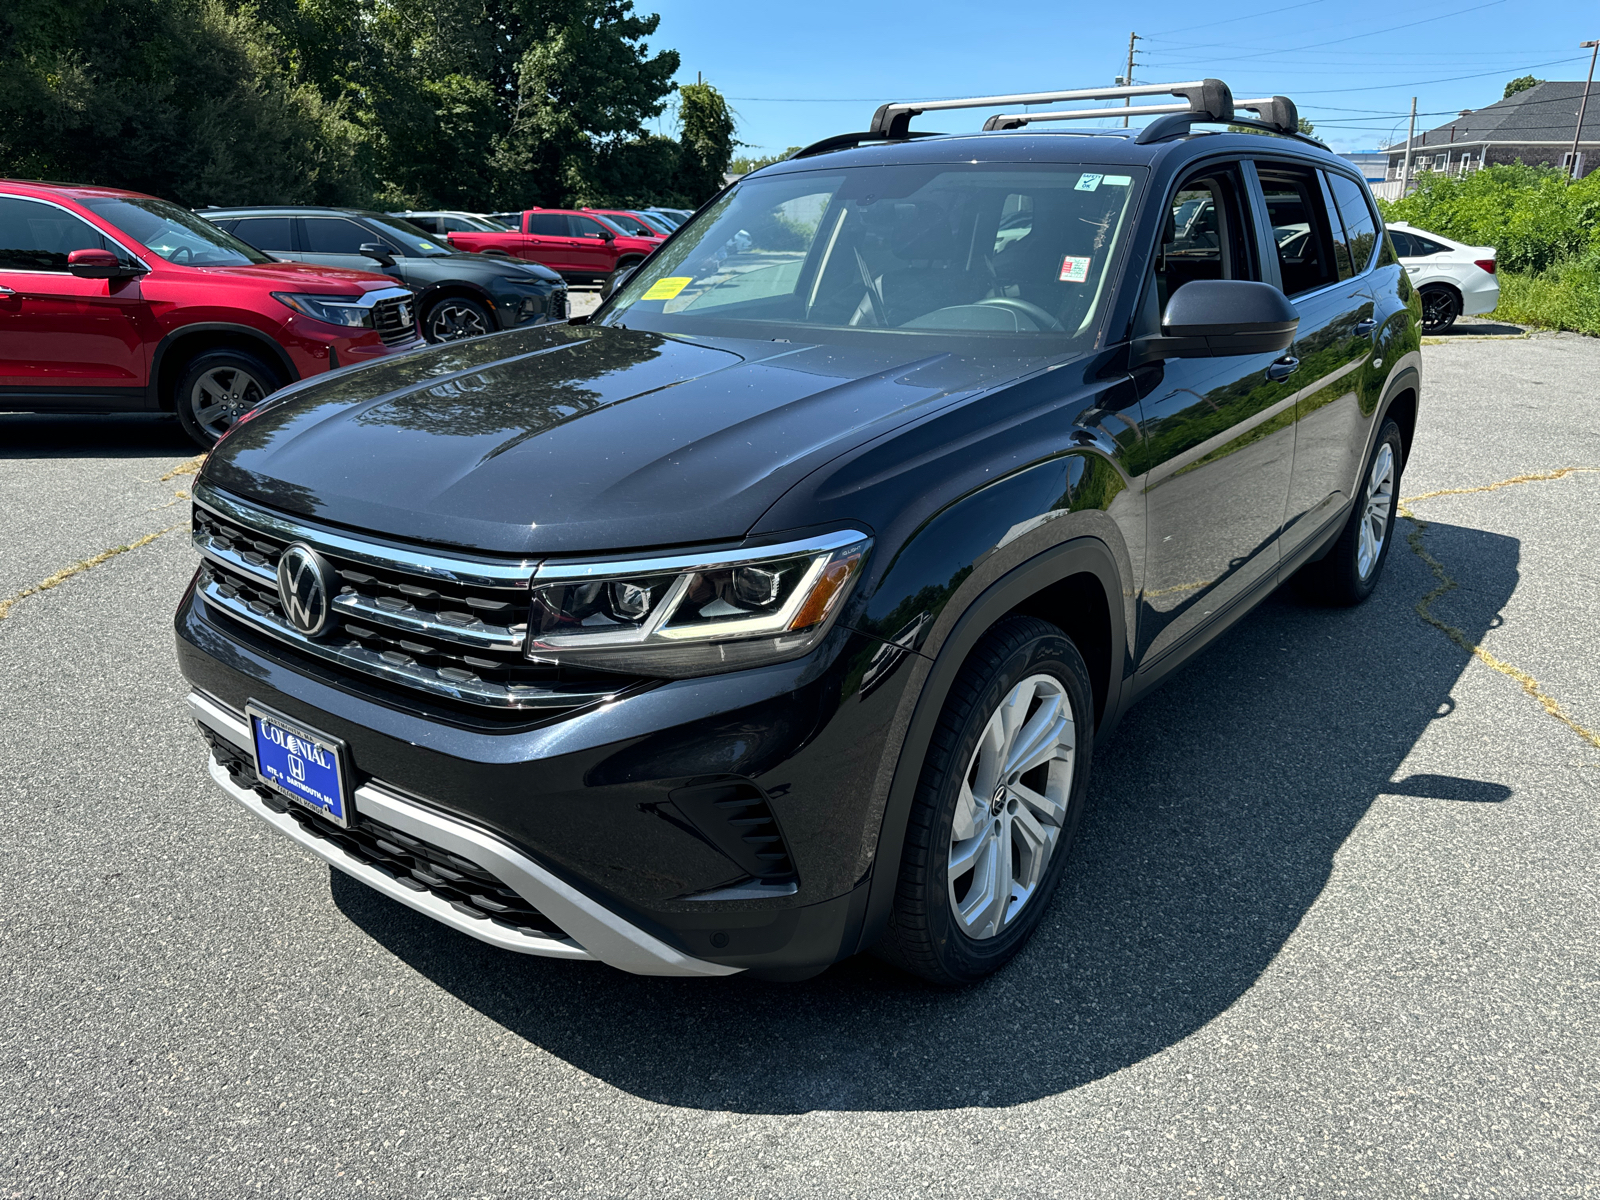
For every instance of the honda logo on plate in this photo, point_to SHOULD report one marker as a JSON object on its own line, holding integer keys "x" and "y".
{"x": 305, "y": 585}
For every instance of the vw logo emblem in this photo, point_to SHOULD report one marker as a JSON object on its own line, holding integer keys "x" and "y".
{"x": 306, "y": 587}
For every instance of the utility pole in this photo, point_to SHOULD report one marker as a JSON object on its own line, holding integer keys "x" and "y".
{"x": 1411, "y": 130}
{"x": 1583, "y": 105}
{"x": 1127, "y": 80}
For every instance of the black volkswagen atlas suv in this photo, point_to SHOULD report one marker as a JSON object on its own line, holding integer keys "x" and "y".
{"x": 773, "y": 612}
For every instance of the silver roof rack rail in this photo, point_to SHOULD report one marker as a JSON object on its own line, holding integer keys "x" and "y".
{"x": 1208, "y": 99}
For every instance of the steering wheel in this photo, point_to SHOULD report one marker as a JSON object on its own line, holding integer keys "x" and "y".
{"x": 1032, "y": 311}
{"x": 185, "y": 251}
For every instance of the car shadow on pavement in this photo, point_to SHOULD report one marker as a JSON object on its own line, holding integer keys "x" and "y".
{"x": 1216, "y": 812}
{"x": 66, "y": 435}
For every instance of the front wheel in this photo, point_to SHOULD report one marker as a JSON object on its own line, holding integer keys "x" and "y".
{"x": 1349, "y": 571}
{"x": 217, "y": 388}
{"x": 455, "y": 318}
{"x": 997, "y": 806}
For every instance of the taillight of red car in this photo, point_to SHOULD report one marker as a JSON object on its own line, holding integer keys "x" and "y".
{"x": 1486, "y": 263}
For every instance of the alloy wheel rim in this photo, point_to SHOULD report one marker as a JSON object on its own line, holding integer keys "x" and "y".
{"x": 1436, "y": 308}
{"x": 221, "y": 396}
{"x": 1377, "y": 507}
{"x": 452, "y": 322}
{"x": 1012, "y": 806}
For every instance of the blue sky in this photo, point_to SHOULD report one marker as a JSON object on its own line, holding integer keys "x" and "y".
{"x": 796, "y": 72}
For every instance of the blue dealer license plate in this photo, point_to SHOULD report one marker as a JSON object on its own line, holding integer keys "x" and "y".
{"x": 302, "y": 764}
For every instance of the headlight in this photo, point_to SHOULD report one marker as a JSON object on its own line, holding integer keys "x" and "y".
{"x": 693, "y": 614}
{"x": 336, "y": 310}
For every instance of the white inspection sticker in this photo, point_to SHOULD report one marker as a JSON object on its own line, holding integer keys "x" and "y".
{"x": 1088, "y": 182}
{"x": 1074, "y": 270}
{"x": 1117, "y": 180}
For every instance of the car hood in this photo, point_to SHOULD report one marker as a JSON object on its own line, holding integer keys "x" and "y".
{"x": 478, "y": 265}
{"x": 580, "y": 439}
{"x": 305, "y": 277}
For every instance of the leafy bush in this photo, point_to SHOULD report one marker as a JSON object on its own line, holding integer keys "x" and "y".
{"x": 1565, "y": 297}
{"x": 1533, "y": 216}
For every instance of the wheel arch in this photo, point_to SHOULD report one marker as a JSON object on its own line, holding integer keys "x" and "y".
{"x": 1076, "y": 586}
{"x": 177, "y": 348}
{"x": 461, "y": 289}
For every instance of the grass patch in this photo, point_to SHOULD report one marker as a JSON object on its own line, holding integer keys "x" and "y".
{"x": 1567, "y": 296}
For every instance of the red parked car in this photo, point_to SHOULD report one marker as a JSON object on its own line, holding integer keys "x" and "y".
{"x": 579, "y": 245}
{"x": 112, "y": 301}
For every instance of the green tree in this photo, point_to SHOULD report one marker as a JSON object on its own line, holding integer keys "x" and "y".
{"x": 743, "y": 165}
{"x": 706, "y": 140}
{"x": 180, "y": 98}
{"x": 1306, "y": 127}
{"x": 1520, "y": 84}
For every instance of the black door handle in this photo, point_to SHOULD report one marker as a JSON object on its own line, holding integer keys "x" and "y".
{"x": 1365, "y": 328}
{"x": 1283, "y": 368}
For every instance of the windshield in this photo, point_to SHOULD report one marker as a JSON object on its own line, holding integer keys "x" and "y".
{"x": 986, "y": 250}
{"x": 176, "y": 234}
{"x": 412, "y": 238}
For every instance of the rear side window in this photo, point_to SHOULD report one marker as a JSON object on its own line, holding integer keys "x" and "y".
{"x": 1300, "y": 227}
{"x": 38, "y": 237}
{"x": 333, "y": 235}
{"x": 1403, "y": 245}
{"x": 1361, "y": 230}
{"x": 271, "y": 234}
{"x": 548, "y": 224}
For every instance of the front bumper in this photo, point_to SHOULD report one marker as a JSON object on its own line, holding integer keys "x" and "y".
{"x": 609, "y": 801}
{"x": 594, "y": 932}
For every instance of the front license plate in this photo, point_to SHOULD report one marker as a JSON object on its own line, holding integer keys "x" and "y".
{"x": 304, "y": 765}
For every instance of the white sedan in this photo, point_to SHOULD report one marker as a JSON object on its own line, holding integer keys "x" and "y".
{"x": 1455, "y": 280}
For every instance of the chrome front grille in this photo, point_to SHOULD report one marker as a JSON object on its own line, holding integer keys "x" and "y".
{"x": 450, "y": 628}
{"x": 395, "y": 319}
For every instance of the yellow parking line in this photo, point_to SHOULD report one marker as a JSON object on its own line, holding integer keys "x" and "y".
{"x": 79, "y": 568}
{"x": 1528, "y": 683}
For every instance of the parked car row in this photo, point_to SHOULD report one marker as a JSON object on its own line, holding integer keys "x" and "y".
{"x": 458, "y": 295}
{"x": 580, "y": 244}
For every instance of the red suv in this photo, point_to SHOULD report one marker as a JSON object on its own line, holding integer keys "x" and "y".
{"x": 580, "y": 245}
{"x": 112, "y": 301}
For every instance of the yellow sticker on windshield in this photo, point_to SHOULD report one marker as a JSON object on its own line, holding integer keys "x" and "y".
{"x": 668, "y": 288}
{"x": 427, "y": 245}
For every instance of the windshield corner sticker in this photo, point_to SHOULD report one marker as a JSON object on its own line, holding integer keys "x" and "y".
{"x": 1074, "y": 269}
{"x": 1088, "y": 182}
{"x": 427, "y": 245}
{"x": 668, "y": 288}
{"x": 1117, "y": 180}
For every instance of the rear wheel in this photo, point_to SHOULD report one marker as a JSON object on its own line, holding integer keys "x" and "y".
{"x": 217, "y": 388}
{"x": 1349, "y": 571}
{"x": 455, "y": 318}
{"x": 1440, "y": 308}
{"x": 997, "y": 806}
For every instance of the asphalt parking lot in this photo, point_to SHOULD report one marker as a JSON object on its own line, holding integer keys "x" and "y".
{"x": 1332, "y": 927}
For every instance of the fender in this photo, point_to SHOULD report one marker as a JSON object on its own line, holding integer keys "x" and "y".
{"x": 275, "y": 353}
{"x": 932, "y": 677}
{"x": 425, "y": 297}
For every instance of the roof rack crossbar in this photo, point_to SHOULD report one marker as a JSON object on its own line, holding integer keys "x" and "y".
{"x": 1277, "y": 111}
{"x": 1018, "y": 120}
{"x": 1208, "y": 96}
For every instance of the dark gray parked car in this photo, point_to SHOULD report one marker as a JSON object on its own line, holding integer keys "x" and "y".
{"x": 458, "y": 295}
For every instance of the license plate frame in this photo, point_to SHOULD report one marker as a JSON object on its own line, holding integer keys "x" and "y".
{"x": 320, "y": 782}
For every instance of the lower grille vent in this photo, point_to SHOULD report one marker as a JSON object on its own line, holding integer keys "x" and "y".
{"x": 735, "y": 816}
{"x": 409, "y": 861}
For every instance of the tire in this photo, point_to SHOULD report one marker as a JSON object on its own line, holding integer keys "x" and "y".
{"x": 217, "y": 388}
{"x": 455, "y": 318}
{"x": 1440, "y": 308}
{"x": 954, "y": 929}
{"x": 1349, "y": 572}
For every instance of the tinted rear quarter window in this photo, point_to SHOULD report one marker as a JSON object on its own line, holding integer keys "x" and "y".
{"x": 38, "y": 237}
{"x": 1361, "y": 229}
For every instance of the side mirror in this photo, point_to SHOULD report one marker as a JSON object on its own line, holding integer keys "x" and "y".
{"x": 378, "y": 252}
{"x": 608, "y": 235}
{"x": 1213, "y": 318}
{"x": 615, "y": 280}
{"x": 97, "y": 264}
